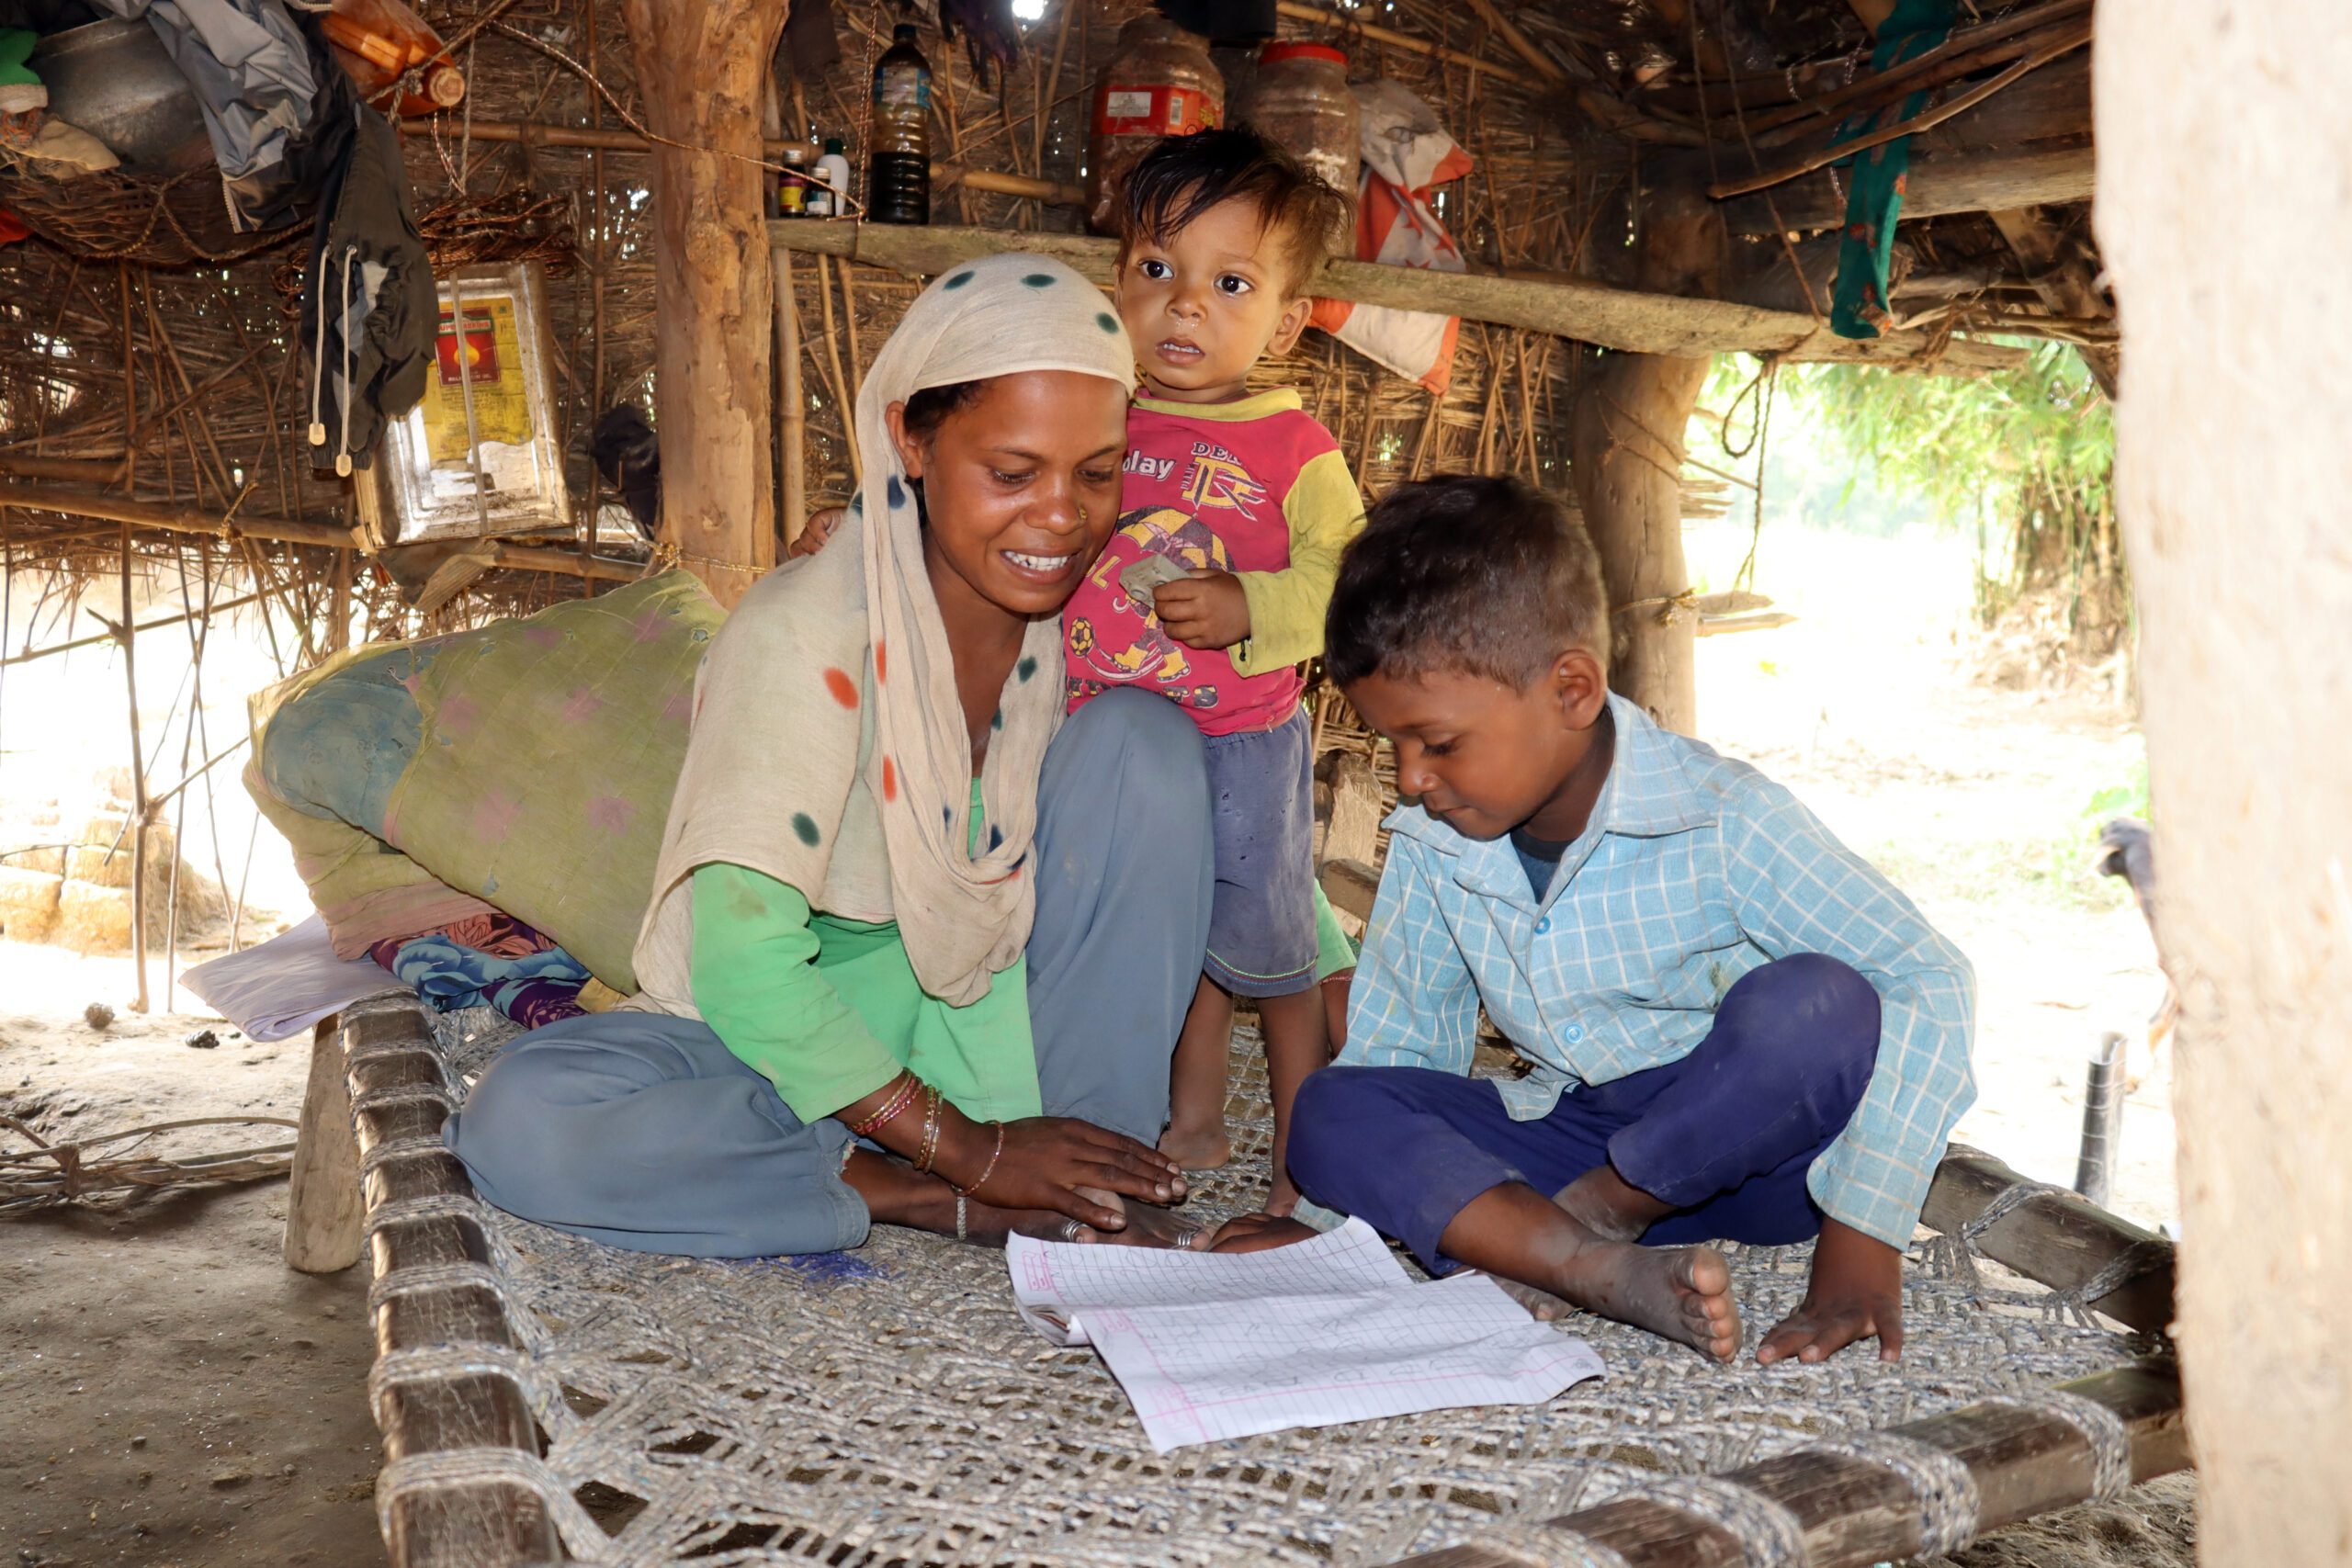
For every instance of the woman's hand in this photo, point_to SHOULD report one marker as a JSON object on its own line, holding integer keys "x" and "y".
{"x": 1047, "y": 1159}
{"x": 1207, "y": 609}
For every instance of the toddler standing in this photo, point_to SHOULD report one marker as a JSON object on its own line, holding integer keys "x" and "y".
{"x": 1212, "y": 591}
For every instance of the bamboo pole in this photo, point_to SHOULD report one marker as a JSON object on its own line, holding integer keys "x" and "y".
{"x": 184, "y": 520}
{"x": 792, "y": 415}
{"x": 111, "y": 635}
{"x": 170, "y": 519}
{"x": 1053, "y": 192}
{"x": 1622, "y": 319}
{"x": 137, "y": 789}
{"x": 2064, "y": 43}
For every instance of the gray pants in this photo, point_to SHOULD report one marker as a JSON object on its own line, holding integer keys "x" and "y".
{"x": 643, "y": 1130}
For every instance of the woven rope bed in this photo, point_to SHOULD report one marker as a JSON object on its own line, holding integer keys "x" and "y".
{"x": 545, "y": 1398}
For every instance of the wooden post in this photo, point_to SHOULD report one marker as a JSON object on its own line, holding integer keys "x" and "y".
{"x": 322, "y": 1200}
{"x": 138, "y": 790}
{"x": 792, "y": 419}
{"x": 2232, "y": 466}
{"x": 792, "y": 401}
{"x": 700, "y": 64}
{"x": 339, "y": 603}
{"x": 1625, "y": 459}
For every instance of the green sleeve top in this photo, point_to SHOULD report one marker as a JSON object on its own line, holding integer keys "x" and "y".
{"x": 829, "y": 1010}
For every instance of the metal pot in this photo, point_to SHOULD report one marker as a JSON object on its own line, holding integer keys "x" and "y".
{"x": 115, "y": 80}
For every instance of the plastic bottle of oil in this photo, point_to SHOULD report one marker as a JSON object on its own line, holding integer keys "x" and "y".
{"x": 897, "y": 169}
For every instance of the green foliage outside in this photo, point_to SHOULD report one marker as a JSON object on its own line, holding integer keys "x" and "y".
{"x": 2025, "y": 459}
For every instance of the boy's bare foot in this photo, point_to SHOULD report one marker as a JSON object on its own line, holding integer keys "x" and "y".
{"x": 1516, "y": 1233}
{"x": 1206, "y": 1148}
{"x": 1608, "y": 1205}
{"x": 1541, "y": 1305}
{"x": 1680, "y": 1293}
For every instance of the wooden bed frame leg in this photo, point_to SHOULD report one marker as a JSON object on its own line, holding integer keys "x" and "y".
{"x": 323, "y": 1212}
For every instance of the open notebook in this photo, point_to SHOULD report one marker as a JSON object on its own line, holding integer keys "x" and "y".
{"x": 1325, "y": 1332}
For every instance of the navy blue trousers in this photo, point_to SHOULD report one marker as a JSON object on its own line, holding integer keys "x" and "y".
{"x": 1726, "y": 1134}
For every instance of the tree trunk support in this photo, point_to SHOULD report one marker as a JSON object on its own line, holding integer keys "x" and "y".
{"x": 1625, "y": 460}
{"x": 2232, "y": 470}
{"x": 700, "y": 66}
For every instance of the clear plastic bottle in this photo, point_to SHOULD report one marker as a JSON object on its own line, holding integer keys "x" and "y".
{"x": 1300, "y": 101}
{"x": 1160, "y": 82}
{"x": 897, "y": 166}
{"x": 826, "y": 197}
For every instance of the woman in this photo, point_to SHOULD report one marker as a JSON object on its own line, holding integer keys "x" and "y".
{"x": 914, "y": 955}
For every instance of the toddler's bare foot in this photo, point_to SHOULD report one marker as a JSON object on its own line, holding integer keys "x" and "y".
{"x": 1147, "y": 1224}
{"x": 1283, "y": 1198}
{"x": 1205, "y": 1148}
{"x": 1680, "y": 1293}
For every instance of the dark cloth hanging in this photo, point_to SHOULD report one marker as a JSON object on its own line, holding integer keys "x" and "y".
{"x": 1223, "y": 21}
{"x": 811, "y": 45}
{"x": 628, "y": 457}
{"x": 369, "y": 309}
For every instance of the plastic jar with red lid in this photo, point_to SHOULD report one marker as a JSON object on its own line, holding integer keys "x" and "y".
{"x": 1300, "y": 102}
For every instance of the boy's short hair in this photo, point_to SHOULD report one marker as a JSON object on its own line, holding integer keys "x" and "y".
{"x": 1184, "y": 177}
{"x": 1484, "y": 575}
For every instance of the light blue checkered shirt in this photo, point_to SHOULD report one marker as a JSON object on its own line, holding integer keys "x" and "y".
{"x": 1694, "y": 870}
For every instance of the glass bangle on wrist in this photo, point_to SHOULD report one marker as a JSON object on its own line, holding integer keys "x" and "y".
{"x": 903, "y": 1089}
{"x": 986, "y": 1170}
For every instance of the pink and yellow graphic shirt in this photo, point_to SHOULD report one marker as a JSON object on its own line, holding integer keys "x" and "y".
{"x": 1255, "y": 487}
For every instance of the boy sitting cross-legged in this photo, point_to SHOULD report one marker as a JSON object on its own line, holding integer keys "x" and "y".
{"x": 1739, "y": 1030}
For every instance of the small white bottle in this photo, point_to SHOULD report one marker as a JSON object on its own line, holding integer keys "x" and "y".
{"x": 826, "y": 193}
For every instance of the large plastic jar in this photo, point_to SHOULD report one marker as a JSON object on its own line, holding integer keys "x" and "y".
{"x": 1160, "y": 82}
{"x": 1300, "y": 102}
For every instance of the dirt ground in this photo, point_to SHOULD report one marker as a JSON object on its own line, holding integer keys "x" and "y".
{"x": 171, "y": 1396}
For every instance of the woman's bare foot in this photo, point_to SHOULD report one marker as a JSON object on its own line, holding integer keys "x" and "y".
{"x": 1680, "y": 1293}
{"x": 1197, "y": 1148}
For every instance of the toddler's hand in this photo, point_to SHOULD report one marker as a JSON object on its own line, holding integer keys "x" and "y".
{"x": 1258, "y": 1233}
{"x": 1207, "y": 610}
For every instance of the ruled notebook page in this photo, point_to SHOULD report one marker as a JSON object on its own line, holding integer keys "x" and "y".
{"x": 1329, "y": 1331}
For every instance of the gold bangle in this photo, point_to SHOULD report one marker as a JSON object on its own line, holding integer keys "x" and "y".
{"x": 930, "y": 1136}
{"x": 900, "y": 1098}
{"x": 988, "y": 1169}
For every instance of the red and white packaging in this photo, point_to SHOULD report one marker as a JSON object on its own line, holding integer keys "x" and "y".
{"x": 1406, "y": 153}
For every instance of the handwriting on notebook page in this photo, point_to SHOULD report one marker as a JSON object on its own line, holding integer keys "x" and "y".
{"x": 1329, "y": 1331}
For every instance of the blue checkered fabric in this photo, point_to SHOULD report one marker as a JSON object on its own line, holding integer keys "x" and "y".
{"x": 1693, "y": 870}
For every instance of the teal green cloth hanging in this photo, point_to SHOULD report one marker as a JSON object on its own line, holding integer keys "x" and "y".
{"x": 16, "y": 43}
{"x": 1874, "y": 197}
